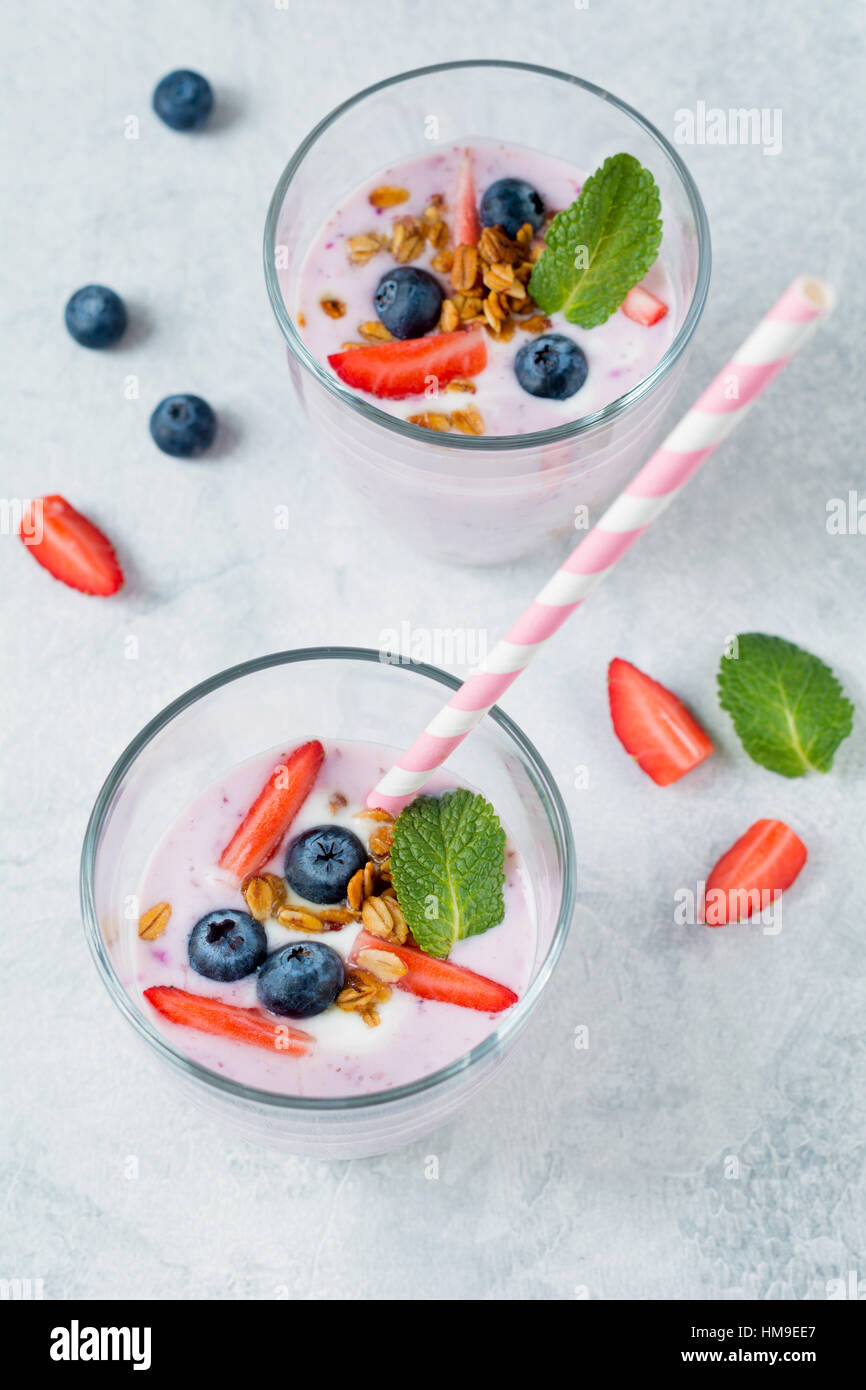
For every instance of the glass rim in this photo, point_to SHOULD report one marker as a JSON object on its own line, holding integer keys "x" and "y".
{"x": 485, "y": 443}
{"x": 551, "y": 801}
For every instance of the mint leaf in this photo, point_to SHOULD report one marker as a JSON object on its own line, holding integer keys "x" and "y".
{"x": 600, "y": 247}
{"x": 448, "y": 868}
{"x": 788, "y": 708}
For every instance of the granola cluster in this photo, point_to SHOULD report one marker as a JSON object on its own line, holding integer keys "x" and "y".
{"x": 488, "y": 286}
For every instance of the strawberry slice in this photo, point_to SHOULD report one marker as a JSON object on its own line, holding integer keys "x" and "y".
{"x": 227, "y": 1020}
{"x": 467, "y": 228}
{"x": 643, "y": 307}
{"x": 409, "y": 366}
{"x": 273, "y": 810}
{"x": 763, "y": 862}
{"x": 70, "y": 547}
{"x": 430, "y": 978}
{"x": 653, "y": 725}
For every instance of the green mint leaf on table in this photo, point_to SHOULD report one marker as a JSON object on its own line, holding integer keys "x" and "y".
{"x": 600, "y": 247}
{"x": 448, "y": 868}
{"x": 788, "y": 708}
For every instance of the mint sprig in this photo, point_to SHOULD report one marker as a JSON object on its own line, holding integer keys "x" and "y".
{"x": 788, "y": 708}
{"x": 448, "y": 868}
{"x": 600, "y": 247}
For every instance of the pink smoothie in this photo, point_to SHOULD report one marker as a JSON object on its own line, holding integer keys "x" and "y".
{"x": 415, "y": 1036}
{"x": 620, "y": 353}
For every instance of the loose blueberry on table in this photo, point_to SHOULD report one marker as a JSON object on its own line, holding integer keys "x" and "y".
{"x": 183, "y": 426}
{"x": 183, "y": 100}
{"x": 95, "y": 316}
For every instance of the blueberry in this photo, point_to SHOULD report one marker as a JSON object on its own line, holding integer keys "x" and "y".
{"x": 320, "y": 863}
{"x": 408, "y": 301}
{"x": 226, "y": 945}
{"x": 95, "y": 316}
{"x": 183, "y": 426}
{"x": 508, "y": 203}
{"x": 301, "y": 979}
{"x": 183, "y": 99}
{"x": 551, "y": 366}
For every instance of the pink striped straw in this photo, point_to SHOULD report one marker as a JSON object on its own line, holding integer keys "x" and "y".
{"x": 778, "y": 336}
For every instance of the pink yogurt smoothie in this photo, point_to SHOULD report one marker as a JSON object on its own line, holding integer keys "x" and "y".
{"x": 415, "y": 1036}
{"x": 620, "y": 353}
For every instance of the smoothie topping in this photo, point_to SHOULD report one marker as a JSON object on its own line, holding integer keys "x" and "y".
{"x": 388, "y": 197}
{"x": 300, "y": 980}
{"x": 266, "y": 822}
{"x": 448, "y": 866}
{"x": 383, "y": 917}
{"x": 302, "y": 919}
{"x": 321, "y": 862}
{"x": 466, "y": 225}
{"x": 361, "y": 886}
{"x": 381, "y": 841}
{"x": 362, "y": 992}
{"x": 643, "y": 307}
{"x": 464, "y": 269}
{"x": 208, "y": 1015}
{"x": 469, "y": 421}
{"x": 383, "y": 964}
{"x": 442, "y": 980}
{"x": 153, "y": 923}
{"x": 399, "y": 369}
{"x": 552, "y": 366}
{"x": 510, "y": 204}
{"x": 299, "y": 919}
{"x": 601, "y": 246}
{"x": 407, "y": 243}
{"x": 263, "y": 894}
{"x": 227, "y": 945}
{"x": 408, "y": 301}
{"x": 361, "y": 249}
{"x": 374, "y": 331}
{"x": 431, "y": 420}
{"x": 334, "y": 308}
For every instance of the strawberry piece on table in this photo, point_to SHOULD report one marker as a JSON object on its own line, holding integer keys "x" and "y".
{"x": 70, "y": 547}
{"x": 408, "y": 367}
{"x": 227, "y": 1020}
{"x": 431, "y": 978}
{"x": 273, "y": 810}
{"x": 763, "y": 862}
{"x": 643, "y": 307}
{"x": 654, "y": 726}
{"x": 467, "y": 228}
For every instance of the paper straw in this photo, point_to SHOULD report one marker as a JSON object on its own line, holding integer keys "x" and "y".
{"x": 778, "y": 336}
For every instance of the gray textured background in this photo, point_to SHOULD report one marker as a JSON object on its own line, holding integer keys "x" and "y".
{"x": 599, "y": 1172}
